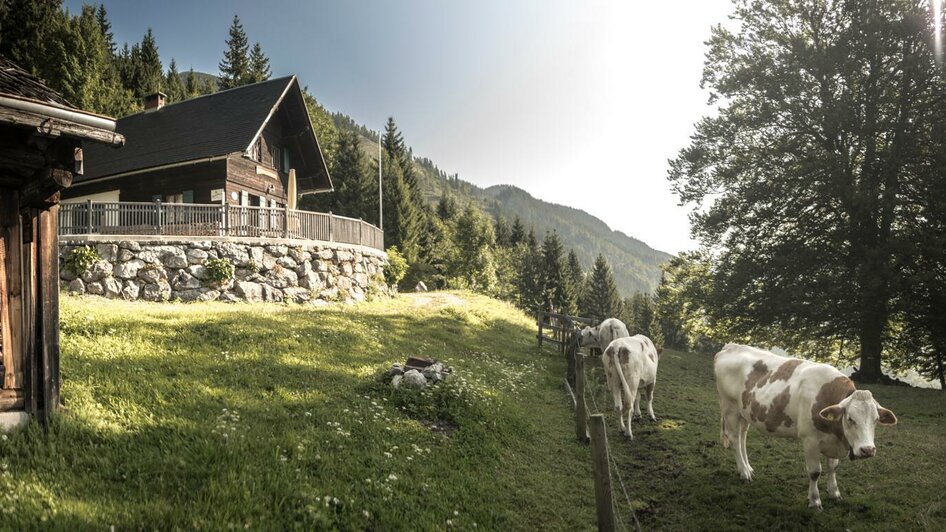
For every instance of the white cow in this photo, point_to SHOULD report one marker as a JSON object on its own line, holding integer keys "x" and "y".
{"x": 604, "y": 333}
{"x": 630, "y": 368}
{"x": 794, "y": 398}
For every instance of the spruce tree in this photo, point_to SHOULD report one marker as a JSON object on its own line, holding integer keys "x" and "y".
{"x": 235, "y": 66}
{"x": 192, "y": 86}
{"x": 576, "y": 278}
{"x": 394, "y": 144}
{"x": 401, "y": 215}
{"x": 258, "y": 65}
{"x": 149, "y": 75}
{"x": 473, "y": 238}
{"x": 175, "y": 87}
{"x": 601, "y": 299}
{"x": 518, "y": 232}
{"x": 503, "y": 232}
{"x": 530, "y": 272}
{"x": 447, "y": 207}
{"x": 355, "y": 191}
{"x": 556, "y": 295}
{"x": 102, "y": 17}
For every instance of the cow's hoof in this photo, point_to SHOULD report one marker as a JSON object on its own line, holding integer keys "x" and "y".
{"x": 636, "y": 417}
{"x": 835, "y": 497}
{"x": 653, "y": 418}
{"x": 815, "y": 505}
{"x": 747, "y": 477}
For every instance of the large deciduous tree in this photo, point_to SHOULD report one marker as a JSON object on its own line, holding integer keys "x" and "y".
{"x": 798, "y": 183}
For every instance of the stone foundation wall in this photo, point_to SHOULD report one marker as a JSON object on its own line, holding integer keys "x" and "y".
{"x": 173, "y": 268}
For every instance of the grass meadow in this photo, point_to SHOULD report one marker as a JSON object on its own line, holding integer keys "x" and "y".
{"x": 269, "y": 417}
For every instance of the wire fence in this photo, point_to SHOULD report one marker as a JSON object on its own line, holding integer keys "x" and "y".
{"x": 588, "y": 383}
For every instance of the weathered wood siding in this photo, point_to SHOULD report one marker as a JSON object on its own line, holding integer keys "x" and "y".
{"x": 199, "y": 177}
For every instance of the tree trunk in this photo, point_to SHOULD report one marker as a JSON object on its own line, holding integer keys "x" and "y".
{"x": 871, "y": 347}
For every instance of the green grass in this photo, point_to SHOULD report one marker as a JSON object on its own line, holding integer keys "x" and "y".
{"x": 216, "y": 416}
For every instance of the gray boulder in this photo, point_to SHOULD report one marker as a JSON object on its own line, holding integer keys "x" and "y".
{"x": 415, "y": 379}
{"x": 128, "y": 270}
{"x": 76, "y": 286}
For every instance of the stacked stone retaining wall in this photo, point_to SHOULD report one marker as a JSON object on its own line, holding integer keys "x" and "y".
{"x": 265, "y": 270}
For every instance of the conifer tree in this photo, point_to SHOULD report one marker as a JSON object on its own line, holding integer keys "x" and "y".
{"x": 149, "y": 75}
{"x": 394, "y": 144}
{"x": 102, "y": 17}
{"x": 235, "y": 66}
{"x": 556, "y": 296}
{"x": 503, "y": 232}
{"x": 355, "y": 194}
{"x": 192, "y": 87}
{"x": 530, "y": 271}
{"x": 576, "y": 277}
{"x": 518, "y": 232}
{"x": 601, "y": 299}
{"x": 473, "y": 262}
{"x": 258, "y": 65}
{"x": 401, "y": 216}
{"x": 175, "y": 87}
{"x": 447, "y": 207}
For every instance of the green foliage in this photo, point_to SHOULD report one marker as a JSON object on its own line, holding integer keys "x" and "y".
{"x": 601, "y": 295}
{"x": 472, "y": 264}
{"x": 396, "y": 268}
{"x": 812, "y": 248}
{"x": 80, "y": 259}
{"x": 557, "y": 294}
{"x": 258, "y": 65}
{"x": 530, "y": 274}
{"x": 235, "y": 67}
{"x": 176, "y": 90}
{"x": 219, "y": 271}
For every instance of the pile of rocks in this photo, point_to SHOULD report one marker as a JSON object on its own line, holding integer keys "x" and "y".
{"x": 419, "y": 372}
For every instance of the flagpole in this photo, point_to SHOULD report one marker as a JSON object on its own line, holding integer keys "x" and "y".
{"x": 380, "y": 198}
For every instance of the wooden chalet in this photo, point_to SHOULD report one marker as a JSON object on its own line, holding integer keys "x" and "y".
{"x": 244, "y": 146}
{"x": 41, "y": 152}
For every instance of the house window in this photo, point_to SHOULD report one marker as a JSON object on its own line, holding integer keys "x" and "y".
{"x": 188, "y": 196}
{"x": 285, "y": 161}
{"x": 244, "y": 198}
{"x": 174, "y": 198}
{"x": 277, "y": 157}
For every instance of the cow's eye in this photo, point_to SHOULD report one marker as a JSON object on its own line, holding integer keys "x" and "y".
{"x": 851, "y": 421}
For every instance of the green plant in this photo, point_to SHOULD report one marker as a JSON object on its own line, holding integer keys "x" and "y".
{"x": 253, "y": 266}
{"x": 219, "y": 271}
{"x": 374, "y": 289}
{"x": 81, "y": 259}
{"x": 396, "y": 268}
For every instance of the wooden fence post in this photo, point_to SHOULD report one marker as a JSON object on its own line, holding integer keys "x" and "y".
{"x": 285, "y": 222}
{"x": 157, "y": 210}
{"x": 581, "y": 409}
{"x": 538, "y": 321}
{"x": 331, "y": 236}
{"x": 225, "y": 214}
{"x": 361, "y": 225}
{"x": 599, "y": 459}
{"x": 89, "y": 221}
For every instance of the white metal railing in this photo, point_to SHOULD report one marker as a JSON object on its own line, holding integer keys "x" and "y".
{"x": 190, "y": 219}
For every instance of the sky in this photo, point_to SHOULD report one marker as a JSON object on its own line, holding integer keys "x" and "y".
{"x": 578, "y": 103}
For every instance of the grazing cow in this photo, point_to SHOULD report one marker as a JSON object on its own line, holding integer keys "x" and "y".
{"x": 603, "y": 334}
{"x": 794, "y": 398}
{"x": 630, "y": 368}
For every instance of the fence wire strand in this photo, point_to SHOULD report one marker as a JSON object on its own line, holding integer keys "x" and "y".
{"x": 614, "y": 464}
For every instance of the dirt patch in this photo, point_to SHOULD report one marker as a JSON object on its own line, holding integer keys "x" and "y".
{"x": 434, "y": 299}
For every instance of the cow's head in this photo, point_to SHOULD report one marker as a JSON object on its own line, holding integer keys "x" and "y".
{"x": 589, "y": 337}
{"x": 859, "y": 413}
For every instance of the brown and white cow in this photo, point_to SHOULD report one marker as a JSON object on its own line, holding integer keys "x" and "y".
{"x": 630, "y": 368}
{"x": 604, "y": 333}
{"x": 794, "y": 398}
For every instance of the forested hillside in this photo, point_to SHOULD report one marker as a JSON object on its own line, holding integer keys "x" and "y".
{"x": 636, "y": 265}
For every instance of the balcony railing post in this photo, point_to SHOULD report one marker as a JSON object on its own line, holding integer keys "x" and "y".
{"x": 157, "y": 210}
{"x": 88, "y": 223}
{"x": 331, "y": 236}
{"x": 285, "y": 222}
{"x": 361, "y": 226}
{"x": 225, "y": 218}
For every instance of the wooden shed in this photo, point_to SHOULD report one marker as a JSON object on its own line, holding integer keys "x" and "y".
{"x": 41, "y": 138}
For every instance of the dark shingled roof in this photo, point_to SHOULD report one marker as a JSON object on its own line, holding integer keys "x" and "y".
{"x": 18, "y": 82}
{"x": 217, "y": 124}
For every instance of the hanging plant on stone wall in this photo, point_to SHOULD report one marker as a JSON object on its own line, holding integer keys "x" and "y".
{"x": 81, "y": 259}
{"x": 219, "y": 271}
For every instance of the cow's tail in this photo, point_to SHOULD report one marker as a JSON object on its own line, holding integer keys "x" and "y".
{"x": 617, "y": 365}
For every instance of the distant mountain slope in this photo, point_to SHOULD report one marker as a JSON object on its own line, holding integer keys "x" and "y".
{"x": 636, "y": 265}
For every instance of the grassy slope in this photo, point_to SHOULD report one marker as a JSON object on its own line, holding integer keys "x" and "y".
{"x": 146, "y": 387}
{"x": 682, "y": 478}
{"x": 151, "y": 389}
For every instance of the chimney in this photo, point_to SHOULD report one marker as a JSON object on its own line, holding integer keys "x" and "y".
{"x": 155, "y": 101}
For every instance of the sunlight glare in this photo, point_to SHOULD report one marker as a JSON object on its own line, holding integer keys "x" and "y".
{"x": 938, "y": 28}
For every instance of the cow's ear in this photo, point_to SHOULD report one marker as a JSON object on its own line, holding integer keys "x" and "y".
{"x": 832, "y": 413}
{"x": 886, "y": 416}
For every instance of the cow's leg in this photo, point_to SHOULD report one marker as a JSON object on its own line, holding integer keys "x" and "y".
{"x": 617, "y": 393}
{"x": 634, "y": 398}
{"x": 833, "y": 491}
{"x": 637, "y": 404}
{"x": 731, "y": 426}
{"x": 813, "y": 464}
{"x": 649, "y": 390}
{"x": 743, "y": 434}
